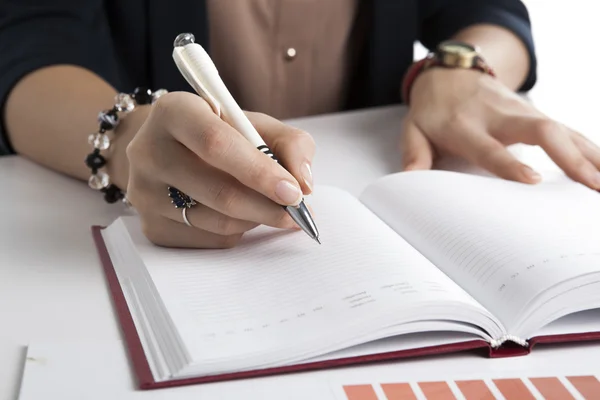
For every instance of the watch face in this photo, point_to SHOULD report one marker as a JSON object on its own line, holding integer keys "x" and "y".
{"x": 458, "y": 48}
{"x": 457, "y": 54}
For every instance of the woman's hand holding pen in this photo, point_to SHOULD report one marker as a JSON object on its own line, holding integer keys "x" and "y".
{"x": 184, "y": 144}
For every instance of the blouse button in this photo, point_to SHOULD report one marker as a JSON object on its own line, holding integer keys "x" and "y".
{"x": 290, "y": 54}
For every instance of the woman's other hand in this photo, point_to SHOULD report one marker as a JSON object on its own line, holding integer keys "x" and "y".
{"x": 472, "y": 115}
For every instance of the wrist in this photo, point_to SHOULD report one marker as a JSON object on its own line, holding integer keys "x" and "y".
{"x": 443, "y": 82}
{"x": 118, "y": 167}
{"x": 107, "y": 161}
{"x": 455, "y": 56}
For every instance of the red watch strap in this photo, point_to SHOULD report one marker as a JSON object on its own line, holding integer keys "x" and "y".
{"x": 430, "y": 61}
{"x": 481, "y": 65}
{"x": 411, "y": 75}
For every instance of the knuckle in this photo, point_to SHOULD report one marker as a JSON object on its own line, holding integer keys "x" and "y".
{"x": 134, "y": 150}
{"x": 229, "y": 241}
{"x": 579, "y": 162}
{"x": 226, "y": 226}
{"x": 213, "y": 143}
{"x": 164, "y": 104}
{"x": 543, "y": 128}
{"x": 457, "y": 121}
{"x": 282, "y": 220}
{"x": 302, "y": 136}
{"x": 258, "y": 170}
{"x": 226, "y": 196}
{"x": 493, "y": 148}
{"x": 489, "y": 154}
{"x": 152, "y": 232}
{"x": 257, "y": 116}
{"x": 147, "y": 157}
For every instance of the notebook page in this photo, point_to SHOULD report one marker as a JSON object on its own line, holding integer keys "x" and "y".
{"x": 504, "y": 242}
{"x": 279, "y": 295}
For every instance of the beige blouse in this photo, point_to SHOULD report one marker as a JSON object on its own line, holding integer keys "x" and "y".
{"x": 286, "y": 58}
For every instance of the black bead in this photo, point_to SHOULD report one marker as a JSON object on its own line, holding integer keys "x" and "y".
{"x": 95, "y": 161}
{"x": 112, "y": 194}
{"x": 108, "y": 121}
{"x": 106, "y": 126}
{"x": 113, "y": 112}
{"x": 142, "y": 95}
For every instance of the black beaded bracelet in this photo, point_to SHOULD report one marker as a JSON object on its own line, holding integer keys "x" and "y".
{"x": 108, "y": 120}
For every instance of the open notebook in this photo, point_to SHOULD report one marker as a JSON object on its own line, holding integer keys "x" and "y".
{"x": 424, "y": 262}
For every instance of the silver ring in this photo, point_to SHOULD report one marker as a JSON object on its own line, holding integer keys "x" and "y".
{"x": 183, "y": 201}
{"x": 185, "y": 218}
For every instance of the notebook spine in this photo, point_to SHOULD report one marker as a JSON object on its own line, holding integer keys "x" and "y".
{"x": 496, "y": 343}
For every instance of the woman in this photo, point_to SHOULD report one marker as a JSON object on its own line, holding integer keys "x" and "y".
{"x": 64, "y": 61}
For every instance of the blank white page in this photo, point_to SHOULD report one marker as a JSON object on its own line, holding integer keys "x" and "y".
{"x": 280, "y": 295}
{"x": 504, "y": 242}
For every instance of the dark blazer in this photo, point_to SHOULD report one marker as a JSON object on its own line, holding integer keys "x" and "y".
{"x": 129, "y": 42}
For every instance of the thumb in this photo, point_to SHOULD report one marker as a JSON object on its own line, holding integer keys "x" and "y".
{"x": 293, "y": 147}
{"x": 417, "y": 152}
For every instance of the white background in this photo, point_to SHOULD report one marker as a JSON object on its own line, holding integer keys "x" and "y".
{"x": 51, "y": 286}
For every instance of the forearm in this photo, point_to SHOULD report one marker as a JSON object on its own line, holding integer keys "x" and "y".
{"x": 50, "y": 114}
{"x": 502, "y": 49}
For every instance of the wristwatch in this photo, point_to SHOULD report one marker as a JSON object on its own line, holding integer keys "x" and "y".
{"x": 449, "y": 54}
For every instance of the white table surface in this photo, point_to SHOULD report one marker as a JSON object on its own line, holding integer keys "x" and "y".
{"x": 52, "y": 288}
{"x": 51, "y": 283}
{"x": 94, "y": 370}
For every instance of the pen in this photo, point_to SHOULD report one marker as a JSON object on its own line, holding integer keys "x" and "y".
{"x": 197, "y": 68}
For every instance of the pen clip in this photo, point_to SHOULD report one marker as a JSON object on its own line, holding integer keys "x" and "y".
{"x": 195, "y": 81}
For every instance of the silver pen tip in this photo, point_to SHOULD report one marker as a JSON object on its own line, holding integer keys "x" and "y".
{"x": 317, "y": 240}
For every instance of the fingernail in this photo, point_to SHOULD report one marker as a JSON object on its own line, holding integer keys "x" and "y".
{"x": 531, "y": 174}
{"x": 288, "y": 193}
{"x": 307, "y": 175}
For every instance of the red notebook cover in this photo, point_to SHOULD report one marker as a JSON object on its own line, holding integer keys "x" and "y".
{"x": 145, "y": 379}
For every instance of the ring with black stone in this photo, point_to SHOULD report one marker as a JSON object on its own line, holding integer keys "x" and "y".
{"x": 180, "y": 199}
{"x": 183, "y": 201}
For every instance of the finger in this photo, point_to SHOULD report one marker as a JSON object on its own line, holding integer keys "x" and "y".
{"x": 207, "y": 185}
{"x": 190, "y": 121}
{"x": 417, "y": 152}
{"x": 293, "y": 147}
{"x": 207, "y": 219}
{"x": 590, "y": 150}
{"x": 557, "y": 142}
{"x": 483, "y": 150}
{"x": 168, "y": 233}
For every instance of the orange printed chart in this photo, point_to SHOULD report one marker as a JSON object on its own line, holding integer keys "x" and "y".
{"x": 545, "y": 388}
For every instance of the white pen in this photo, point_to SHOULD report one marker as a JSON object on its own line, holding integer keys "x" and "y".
{"x": 198, "y": 69}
